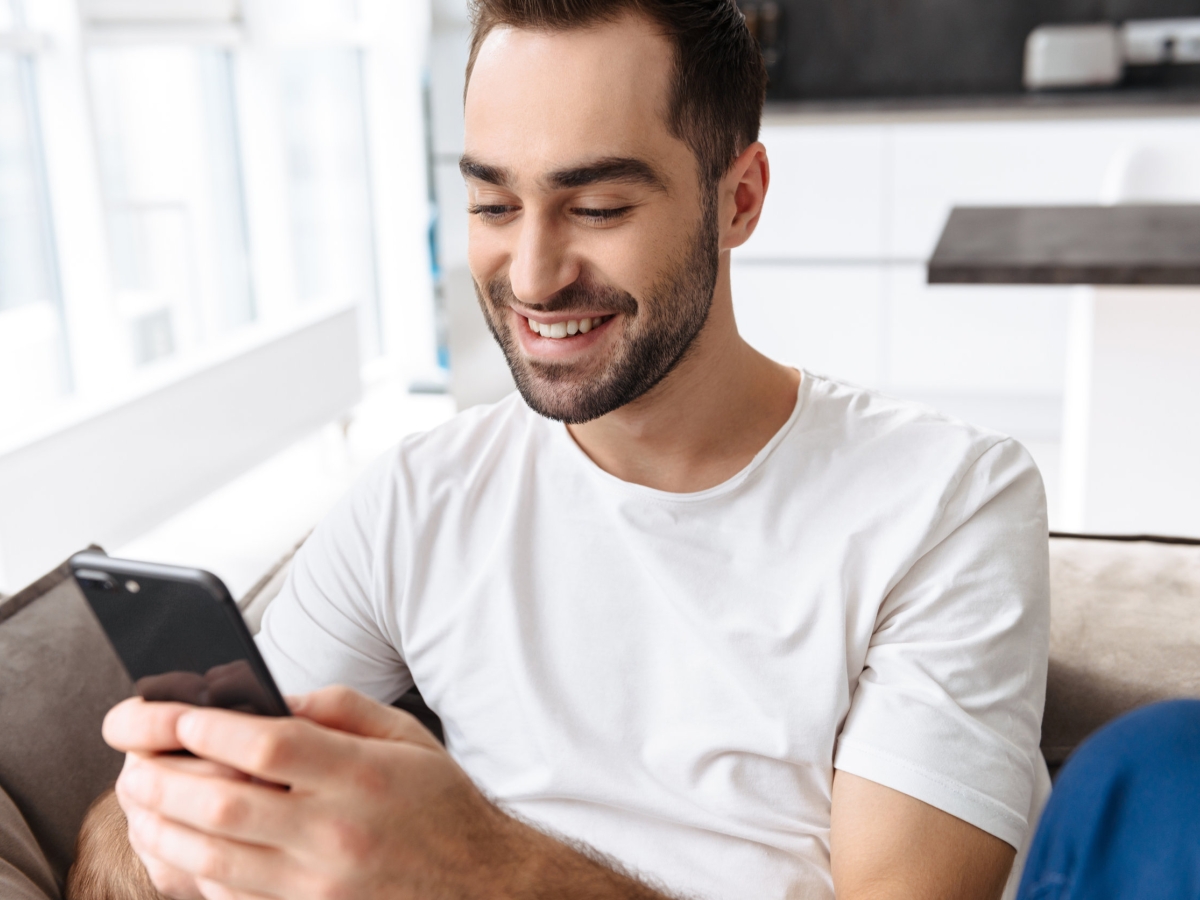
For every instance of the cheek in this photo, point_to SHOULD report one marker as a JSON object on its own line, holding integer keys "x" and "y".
{"x": 634, "y": 260}
{"x": 487, "y": 251}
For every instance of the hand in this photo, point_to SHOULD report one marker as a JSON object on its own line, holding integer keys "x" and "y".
{"x": 354, "y": 799}
{"x": 152, "y": 727}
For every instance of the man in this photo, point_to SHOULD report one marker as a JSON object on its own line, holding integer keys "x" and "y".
{"x": 696, "y": 623}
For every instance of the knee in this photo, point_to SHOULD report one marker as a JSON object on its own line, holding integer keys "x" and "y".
{"x": 1155, "y": 742}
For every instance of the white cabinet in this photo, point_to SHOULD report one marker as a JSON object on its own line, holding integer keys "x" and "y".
{"x": 825, "y": 318}
{"x": 825, "y": 194}
{"x": 934, "y": 166}
{"x": 974, "y": 339}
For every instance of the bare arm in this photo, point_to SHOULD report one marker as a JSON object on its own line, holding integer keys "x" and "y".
{"x": 886, "y": 845}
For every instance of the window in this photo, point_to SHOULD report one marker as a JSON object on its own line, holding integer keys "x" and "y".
{"x": 192, "y": 198}
{"x": 216, "y": 172}
{"x": 329, "y": 189}
{"x": 170, "y": 171}
{"x": 33, "y": 360}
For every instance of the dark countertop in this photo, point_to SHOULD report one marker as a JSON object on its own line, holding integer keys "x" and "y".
{"x": 1069, "y": 245}
{"x": 1073, "y": 103}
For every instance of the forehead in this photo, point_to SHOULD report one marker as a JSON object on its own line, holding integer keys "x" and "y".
{"x": 541, "y": 99}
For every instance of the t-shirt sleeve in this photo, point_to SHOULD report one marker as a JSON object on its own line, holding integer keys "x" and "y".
{"x": 325, "y": 626}
{"x": 948, "y": 707}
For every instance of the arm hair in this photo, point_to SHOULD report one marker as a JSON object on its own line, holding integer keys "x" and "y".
{"x": 105, "y": 867}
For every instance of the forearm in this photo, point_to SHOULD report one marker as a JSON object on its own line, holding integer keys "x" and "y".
{"x": 375, "y": 808}
{"x": 540, "y": 867}
{"x": 105, "y": 866}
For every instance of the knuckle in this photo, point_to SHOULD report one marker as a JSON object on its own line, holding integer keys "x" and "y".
{"x": 352, "y": 842}
{"x": 327, "y": 888}
{"x": 166, "y": 880}
{"x": 367, "y": 779}
{"x": 211, "y": 864}
{"x": 340, "y": 694}
{"x": 145, "y": 833}
{"x": 272, "y": 749}
{"x": 161, "y": 876}
{"x": 142, "y": 783}
{"x": 226, "y": 811}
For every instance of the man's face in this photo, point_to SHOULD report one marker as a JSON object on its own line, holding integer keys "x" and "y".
{"x": 592, "y": 243}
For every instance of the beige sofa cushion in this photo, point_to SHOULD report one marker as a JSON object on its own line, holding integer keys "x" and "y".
{"x": 1124, "y": 631}
{"x": 256, "y": 600}
{"x": 58, "y": 677}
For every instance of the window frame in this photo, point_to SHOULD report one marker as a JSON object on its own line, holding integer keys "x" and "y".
{"x": 392, "y": 38}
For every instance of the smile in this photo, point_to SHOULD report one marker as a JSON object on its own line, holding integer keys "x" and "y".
{"x": 559, "y": 330}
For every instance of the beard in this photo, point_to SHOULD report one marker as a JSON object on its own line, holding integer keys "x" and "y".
{"x": 659, "y": 330}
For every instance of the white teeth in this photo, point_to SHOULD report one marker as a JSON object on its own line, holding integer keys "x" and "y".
{"x": 562, "y": 329}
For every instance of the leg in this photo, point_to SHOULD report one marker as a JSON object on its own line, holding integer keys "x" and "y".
{"x": 1122, "y": 821}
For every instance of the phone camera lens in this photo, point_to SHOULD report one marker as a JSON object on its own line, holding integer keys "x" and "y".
{"x": 96, "y": 581}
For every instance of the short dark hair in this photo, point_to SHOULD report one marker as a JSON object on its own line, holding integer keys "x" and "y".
{"x": 720, "y": 80}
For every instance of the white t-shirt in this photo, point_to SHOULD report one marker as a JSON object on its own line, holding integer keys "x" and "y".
{"x": 672, "y": 678}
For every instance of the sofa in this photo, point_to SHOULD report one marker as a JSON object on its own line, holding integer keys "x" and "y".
{"x": 1125, "y": 631}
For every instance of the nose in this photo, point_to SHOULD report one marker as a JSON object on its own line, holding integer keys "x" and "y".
{"x": 542, "y": 264}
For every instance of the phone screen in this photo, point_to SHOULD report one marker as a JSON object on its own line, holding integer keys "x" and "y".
{"x": 178, "y": 634}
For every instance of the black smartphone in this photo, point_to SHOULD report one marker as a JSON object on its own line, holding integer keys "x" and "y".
{"x": 179, "y": 634}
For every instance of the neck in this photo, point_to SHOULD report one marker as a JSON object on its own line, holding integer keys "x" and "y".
{"x": 706, "y": 420}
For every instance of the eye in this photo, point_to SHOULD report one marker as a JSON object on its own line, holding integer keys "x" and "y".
{"x": 492, "y": 213}
{"x": 601, "y": 216}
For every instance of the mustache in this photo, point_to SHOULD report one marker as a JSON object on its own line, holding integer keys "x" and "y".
{"x": 581, "y": 295}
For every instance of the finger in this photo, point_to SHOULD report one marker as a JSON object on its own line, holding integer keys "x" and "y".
{"x": 190, "y": 764}
{"x": 232, "y": 864}
{"x": 168, "y": 881}
{"x": 344, "y": 709}
{"x": 211, "y": 890}
{"x": 194, "y": 765}
{"x": 286, "y": 750}
{"x": 240, "y": 811}
{"x": 137, "y": 726}
{"x": 153, "y": 874}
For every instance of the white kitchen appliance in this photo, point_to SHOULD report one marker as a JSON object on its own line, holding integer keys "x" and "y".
{"x": 1073, "y": 56}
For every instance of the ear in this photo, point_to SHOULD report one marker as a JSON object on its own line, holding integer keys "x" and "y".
{"x": 742, "y": 192}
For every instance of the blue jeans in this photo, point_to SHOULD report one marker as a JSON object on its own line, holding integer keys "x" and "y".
{"x": 1123, "y": 820}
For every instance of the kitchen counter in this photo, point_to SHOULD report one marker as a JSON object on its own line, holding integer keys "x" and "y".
{"x": 1110, "y": 245}
{"x": 1132, "y": 368}
{"x": 1118, "y": 103}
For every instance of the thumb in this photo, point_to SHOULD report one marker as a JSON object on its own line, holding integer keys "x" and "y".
{"x": 344, "y": 709}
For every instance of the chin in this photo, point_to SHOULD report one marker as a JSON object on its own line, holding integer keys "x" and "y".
{"x": 571, "y": 401}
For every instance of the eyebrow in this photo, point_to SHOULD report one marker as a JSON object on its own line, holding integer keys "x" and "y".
{"x": 472, "y": 168}
{"x": 612, "y": 169}
{"x": 620, "y": 169}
